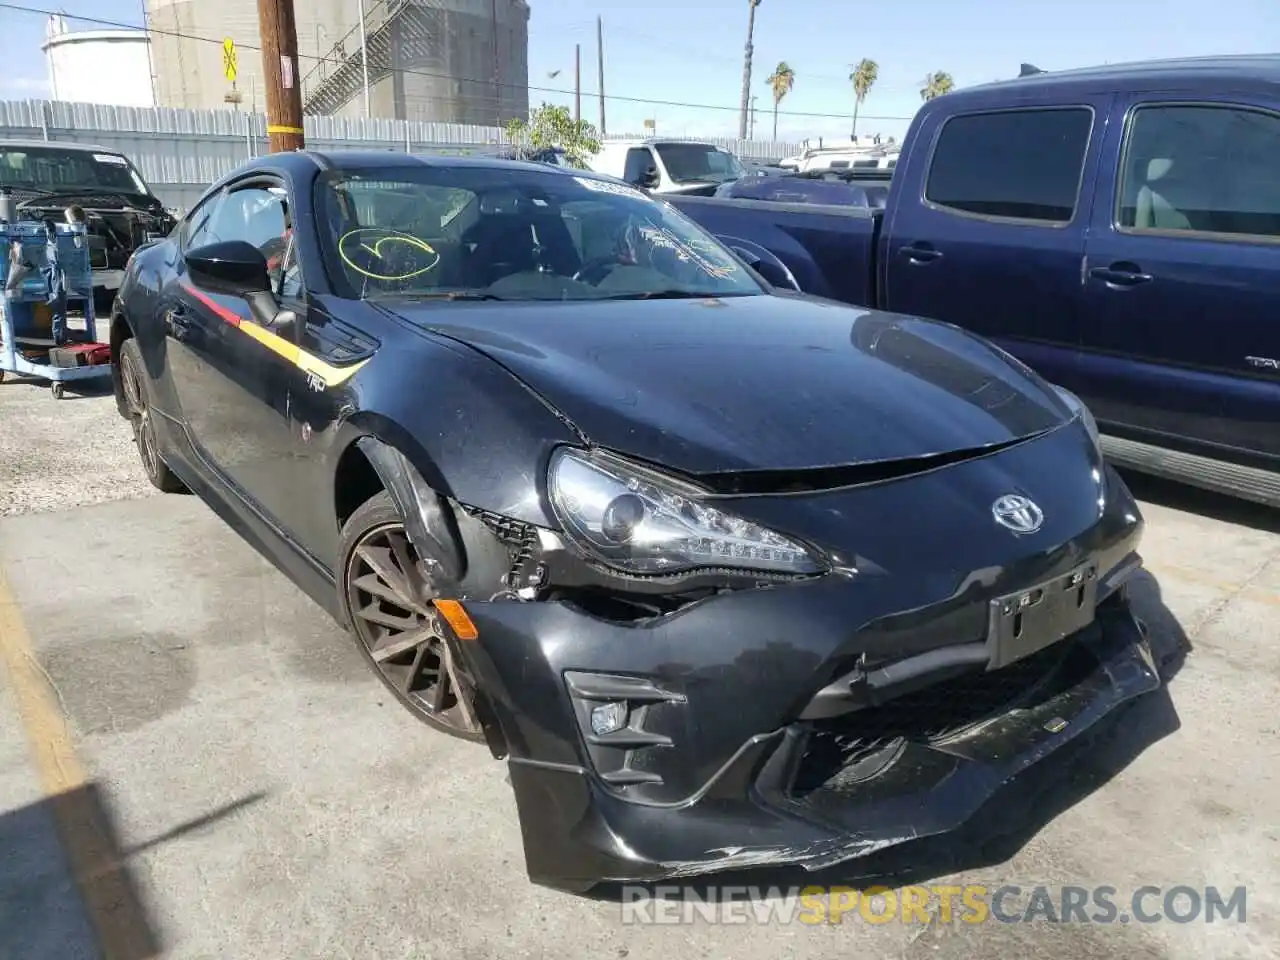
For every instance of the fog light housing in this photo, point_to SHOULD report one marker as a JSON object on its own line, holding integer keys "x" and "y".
{"x": 609, "y": 718}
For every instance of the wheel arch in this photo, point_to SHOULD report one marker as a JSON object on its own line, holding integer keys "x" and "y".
{"x": 373, "y": 460}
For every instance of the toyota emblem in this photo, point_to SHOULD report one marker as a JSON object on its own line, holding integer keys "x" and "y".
{"x": 1017, "y": 513}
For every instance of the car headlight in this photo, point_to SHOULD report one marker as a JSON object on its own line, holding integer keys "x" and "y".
{"x": 640, "y": 522}
{"x": 1080, "y": 410}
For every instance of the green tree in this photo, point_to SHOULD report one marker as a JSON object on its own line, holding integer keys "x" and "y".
{"x": 863, "y": 79}
{"x": 782, "y": 81}
{"x": 936, "y": 84}
{"x": 551, "y": 126}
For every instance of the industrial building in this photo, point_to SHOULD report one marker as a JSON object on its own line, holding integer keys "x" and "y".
{"x": 459, "y": 61}
{"x": 78, "y": 63}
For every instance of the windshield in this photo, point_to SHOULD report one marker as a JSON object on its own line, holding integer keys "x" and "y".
{"x": 699, "y": 163}
{"x": 510, "y": 234}
{"x": 48, "y": 169}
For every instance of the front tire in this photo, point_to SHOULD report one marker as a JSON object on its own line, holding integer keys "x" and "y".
{"x": 134, "y": 380}
{"x": 386, "y": 599}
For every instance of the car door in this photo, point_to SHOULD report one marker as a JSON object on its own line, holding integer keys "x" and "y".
{"x": 992, "y": 233}
{"x": 1182, "y": 275}
{"x": 233, "y": 373}
{"x": 165, "y": 352}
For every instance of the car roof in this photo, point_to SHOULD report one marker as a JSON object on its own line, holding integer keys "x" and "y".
{"x": 308, "y": 162}
{"x": 656, "y": 141}
{"x": 58, "y": 145}
{"x": 1234, "y": 72}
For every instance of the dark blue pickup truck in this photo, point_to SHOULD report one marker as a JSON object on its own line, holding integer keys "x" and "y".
{"x": 1116, "y": 228}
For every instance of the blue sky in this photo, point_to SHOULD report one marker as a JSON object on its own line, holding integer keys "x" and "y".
{"x": 691, "y": 53}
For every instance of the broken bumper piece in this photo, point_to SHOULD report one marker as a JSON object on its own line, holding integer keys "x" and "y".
{"x": 813, "y": 793}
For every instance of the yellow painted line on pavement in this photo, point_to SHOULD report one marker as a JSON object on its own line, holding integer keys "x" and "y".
{"x": 82, "y": 824}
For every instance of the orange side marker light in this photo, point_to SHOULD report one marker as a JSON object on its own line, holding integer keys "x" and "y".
{"x": 457, "y": 618}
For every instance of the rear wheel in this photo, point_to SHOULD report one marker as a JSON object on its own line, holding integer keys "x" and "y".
{"x": 387, "y": 599}
{"x": 133, "y": 379}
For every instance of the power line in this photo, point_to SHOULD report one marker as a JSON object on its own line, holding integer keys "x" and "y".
{"x": 703, "y": 55}
{"x": 21, "y": 8}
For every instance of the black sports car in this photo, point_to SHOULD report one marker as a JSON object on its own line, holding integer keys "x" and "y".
{"x": 729, "y": 575}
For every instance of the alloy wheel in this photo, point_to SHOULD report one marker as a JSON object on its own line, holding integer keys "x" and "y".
{"x": 140, "y": 416}
{"x": 390, "y": 602}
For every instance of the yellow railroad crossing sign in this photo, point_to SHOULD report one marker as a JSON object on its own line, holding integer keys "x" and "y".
{"x": 229, "y": 59}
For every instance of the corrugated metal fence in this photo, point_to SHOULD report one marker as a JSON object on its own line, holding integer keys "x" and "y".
{"x": 180, "y": 152}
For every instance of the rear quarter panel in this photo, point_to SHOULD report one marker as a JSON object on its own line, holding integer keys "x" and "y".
{"x": 828, "y": 249}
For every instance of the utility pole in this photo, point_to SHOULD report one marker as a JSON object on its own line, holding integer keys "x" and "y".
{"x": 364, "y": 60}
{"x": 497, "y": 70}
{"x": 746, "y": 68}
{"x": 577, "y": 83}
{"x": 600, "y": 67}
{"x": 151, "y": 63}
{"x": 280, "y": 71}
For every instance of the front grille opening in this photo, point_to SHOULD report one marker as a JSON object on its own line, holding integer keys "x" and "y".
{"x": 844, "y": 751}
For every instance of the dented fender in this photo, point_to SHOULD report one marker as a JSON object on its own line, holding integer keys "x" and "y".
{"x": 428, "y": 522}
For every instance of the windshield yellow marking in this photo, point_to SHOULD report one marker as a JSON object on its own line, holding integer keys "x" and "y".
{"x": 385, "y": 236}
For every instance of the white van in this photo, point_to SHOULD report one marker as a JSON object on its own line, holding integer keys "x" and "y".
{"x": 667, "y": 166}
{"x": 848, "y": 160}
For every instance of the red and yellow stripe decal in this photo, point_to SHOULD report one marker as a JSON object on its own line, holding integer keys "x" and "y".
{"x": 328, "y": 374}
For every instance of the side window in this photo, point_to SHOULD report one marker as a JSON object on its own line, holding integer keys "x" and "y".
{"x": 255, "y": 214}
{"x": 259, "y": 215}
{"x": 638, "y": 161}
{"x": 195, "y": 231}
{"x": 1204, "y": 169}
{"x": 1017, "y": 164}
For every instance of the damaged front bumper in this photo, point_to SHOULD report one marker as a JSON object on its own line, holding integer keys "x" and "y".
{"x": 690, "y": 776}
{"x": 778, "y": 802}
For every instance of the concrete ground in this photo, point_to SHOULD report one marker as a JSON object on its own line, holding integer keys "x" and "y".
{"x": 195, "y": 763}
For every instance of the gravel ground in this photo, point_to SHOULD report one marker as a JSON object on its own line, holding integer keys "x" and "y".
{"x": 56, "y": 454}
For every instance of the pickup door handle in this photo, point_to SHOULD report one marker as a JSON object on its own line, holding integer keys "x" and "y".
{"x": 919, "y": 254}
{"x": 1120, "y": 275}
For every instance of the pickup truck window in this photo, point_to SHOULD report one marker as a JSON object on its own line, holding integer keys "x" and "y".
{"x": 638, "y": 161}
{"x": 1012, "y": 164}
{"x": 1202, "y": 169}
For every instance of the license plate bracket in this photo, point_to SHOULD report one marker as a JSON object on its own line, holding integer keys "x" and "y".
{"x": 1022, "y": 623}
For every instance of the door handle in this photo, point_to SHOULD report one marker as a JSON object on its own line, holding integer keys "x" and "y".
{"x": 920, "y": 255}
{"x": 1120, "y": 275}
{"x": 177, "y": 319}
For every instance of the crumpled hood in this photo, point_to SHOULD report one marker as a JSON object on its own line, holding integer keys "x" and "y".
{"x": 755, "y": 383}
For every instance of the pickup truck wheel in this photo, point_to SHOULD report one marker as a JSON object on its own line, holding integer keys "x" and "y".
{"x": 134, "y": 380}
{"x": 387, "y": 600}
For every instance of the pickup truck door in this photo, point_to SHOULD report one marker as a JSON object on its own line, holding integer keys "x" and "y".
{"x": 1182, "y": 275}
{"x": 987, "y": 222}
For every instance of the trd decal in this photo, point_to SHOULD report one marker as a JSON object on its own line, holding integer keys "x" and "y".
{"x": 319, "y": 373}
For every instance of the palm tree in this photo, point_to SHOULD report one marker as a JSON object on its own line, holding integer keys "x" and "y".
{"x": 936, "y": 84}
{"x": 863, "y": 78}
{"x": 781, "y": 82}
{"x": 746, "y": 69}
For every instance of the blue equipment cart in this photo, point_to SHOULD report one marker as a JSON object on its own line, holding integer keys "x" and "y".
{"x": 25, "y": 313}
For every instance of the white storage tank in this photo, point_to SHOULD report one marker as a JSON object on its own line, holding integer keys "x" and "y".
{"x": 99, "y": 66}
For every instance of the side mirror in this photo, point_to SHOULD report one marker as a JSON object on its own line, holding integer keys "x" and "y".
{"x": 768, "y": 271}
{"x": 774, "y": 275}
{"x": 233, "y": 267}
{"x": 239, "y": 269}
